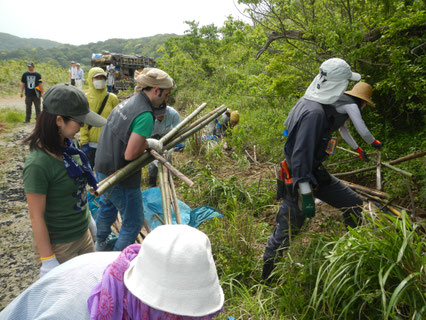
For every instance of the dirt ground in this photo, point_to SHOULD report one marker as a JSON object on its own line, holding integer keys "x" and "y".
{"x": 18, "y": 267}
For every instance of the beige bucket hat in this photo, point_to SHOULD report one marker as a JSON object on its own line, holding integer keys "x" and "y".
{"x": 175, "y": 272}
{"x": 155, "y": 78}
{"x": 362, "y": 90}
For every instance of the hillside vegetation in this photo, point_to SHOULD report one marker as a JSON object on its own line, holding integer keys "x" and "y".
{"x": 9, "y": 42}
{"x": 63, "y": 54}
{"x": 376, "y": 271}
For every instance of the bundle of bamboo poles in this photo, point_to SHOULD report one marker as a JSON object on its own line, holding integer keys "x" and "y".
{"x": 185, "y": 129}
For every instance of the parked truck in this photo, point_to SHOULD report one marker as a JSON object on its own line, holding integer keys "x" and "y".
{"x": 124, "y": 66}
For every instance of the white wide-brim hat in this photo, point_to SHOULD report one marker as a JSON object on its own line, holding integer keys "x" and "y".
{"x": 175, "y": 272}
{"x": 331, "y": 82}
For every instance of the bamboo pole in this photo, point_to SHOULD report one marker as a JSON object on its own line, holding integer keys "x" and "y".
{"x": 365, "y": 189}
{"x": 163, "y": 192}
{"x": 168, "y": 211}
{"x": 193, "y": 130}
{"x": 198, "y": 121}
{"x": 169, "y": 166}
{"x": 172, "y": 132}
{"x": 146, "y": 158}
{"x": 403, "y": 172}
{"x": 379, "y": 171}
{"x": 408, "y": 157}
{"x": 175, "y": 202}
{"x": 159, "y": 218}
{"x": 352, "y": 152}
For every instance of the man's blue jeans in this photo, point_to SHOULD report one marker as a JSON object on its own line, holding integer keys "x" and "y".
{"x": 128, "y": 201}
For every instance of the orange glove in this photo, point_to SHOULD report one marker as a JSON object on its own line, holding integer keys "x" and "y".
{"x": 362, "y": 154}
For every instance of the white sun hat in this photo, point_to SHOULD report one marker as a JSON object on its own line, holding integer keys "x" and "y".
{"x": 331, "y": 82}
{"x": 175, "y": 272}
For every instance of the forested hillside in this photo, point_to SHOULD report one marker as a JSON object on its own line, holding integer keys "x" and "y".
{"x": 63, "y": 54}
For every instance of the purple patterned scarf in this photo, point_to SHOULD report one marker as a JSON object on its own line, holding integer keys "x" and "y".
{"x": 110, "y": 298}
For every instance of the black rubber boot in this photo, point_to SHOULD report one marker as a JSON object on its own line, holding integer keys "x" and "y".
{"x": 268, "y": 266}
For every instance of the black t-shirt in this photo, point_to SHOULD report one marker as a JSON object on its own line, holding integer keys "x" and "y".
{"x": 31, "y": 80}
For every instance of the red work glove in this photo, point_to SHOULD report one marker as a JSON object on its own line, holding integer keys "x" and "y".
{"x": 377, "y": 144}
{"x": 362, "y": 154}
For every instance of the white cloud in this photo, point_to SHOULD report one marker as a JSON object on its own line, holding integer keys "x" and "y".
{"x": 83, "y": 21}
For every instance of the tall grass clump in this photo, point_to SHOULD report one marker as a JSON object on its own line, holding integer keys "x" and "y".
{"x": 376, "y": 271}
{"x": 11, "y": 116}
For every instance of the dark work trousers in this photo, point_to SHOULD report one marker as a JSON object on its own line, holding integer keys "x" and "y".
{"x": 152, "y": 172}
{"x": 91, "y": 156}
{"x": 29, "y": 100}
{"x": 290, "y": 218}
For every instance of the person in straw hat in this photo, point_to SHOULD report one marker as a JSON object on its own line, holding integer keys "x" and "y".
{"x": 351, "y": 103}
{"x": 125, "y": 137}
{"x": 171, "y": 275}
{"x": 323, "y": 109}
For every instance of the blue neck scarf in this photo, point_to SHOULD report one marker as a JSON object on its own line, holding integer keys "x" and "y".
{"x": 74, "y": 169}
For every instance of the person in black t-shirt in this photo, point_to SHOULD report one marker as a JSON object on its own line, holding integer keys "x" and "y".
{"x": 33, "y": 85}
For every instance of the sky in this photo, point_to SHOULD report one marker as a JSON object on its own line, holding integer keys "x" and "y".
{"x": 80, "y": 22}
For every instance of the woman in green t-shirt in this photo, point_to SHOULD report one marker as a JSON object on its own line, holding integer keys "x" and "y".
{"x": 55, "y": 177}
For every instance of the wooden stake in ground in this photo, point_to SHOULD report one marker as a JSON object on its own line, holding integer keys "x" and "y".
{"x": 379, "y": 171}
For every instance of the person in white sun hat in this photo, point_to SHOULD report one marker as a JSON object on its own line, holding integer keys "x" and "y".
{"x": 310, "y": 125}
{"x": 171, "y": 275}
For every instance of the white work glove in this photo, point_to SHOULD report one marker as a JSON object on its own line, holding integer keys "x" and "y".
{"x": 92, "y": 228}
{"x": 155, "y": 144}
{"x": 48, "y": 265}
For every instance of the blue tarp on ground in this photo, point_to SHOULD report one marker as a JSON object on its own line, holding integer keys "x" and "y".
{"x": 152, "y": 205}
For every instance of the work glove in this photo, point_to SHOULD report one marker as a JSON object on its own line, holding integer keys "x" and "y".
{"x": 85, "y": 148}
{"x": 308, "y": 205}
{"x": 178, "y": 147}
{"x": 377, "y": 144}
{"x": 362, "y": 154}
{"x": 155, "y": 144}
{"x": 47, "y": 265}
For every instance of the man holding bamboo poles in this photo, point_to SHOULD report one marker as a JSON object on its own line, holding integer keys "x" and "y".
{"x": 126, "y": 138}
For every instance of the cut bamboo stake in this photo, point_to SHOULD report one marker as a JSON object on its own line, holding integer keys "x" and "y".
{"x": 163, "y": 192}
{"x": 254, "y": 154}
{"x": 379, "y": 171}
{"x": 168, "y": 211}
{"x": 175, "y": 201}
{"x": 365, "y": 189}
{"x": 169, "y": 166}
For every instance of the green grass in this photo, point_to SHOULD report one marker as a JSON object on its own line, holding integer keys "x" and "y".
{"x": 11, "y": 116}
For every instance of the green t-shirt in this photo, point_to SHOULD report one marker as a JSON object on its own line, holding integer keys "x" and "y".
{"x": 143, "y": 124}
{"x": 67, "y": 214}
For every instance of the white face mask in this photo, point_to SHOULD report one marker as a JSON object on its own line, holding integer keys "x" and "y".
{"x": 99, "y": 84}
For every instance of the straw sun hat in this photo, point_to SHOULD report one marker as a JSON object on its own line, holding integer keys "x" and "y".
{"x": 175, "y": 272}
{"x": 363, "y": 91}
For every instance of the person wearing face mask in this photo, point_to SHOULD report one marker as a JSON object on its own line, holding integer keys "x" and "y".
{"x": 101, "y": 102}
{"x": 126, "y": 137}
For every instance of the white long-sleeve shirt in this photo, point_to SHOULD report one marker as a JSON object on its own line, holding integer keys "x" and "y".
{"x": 354, "y": 114}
